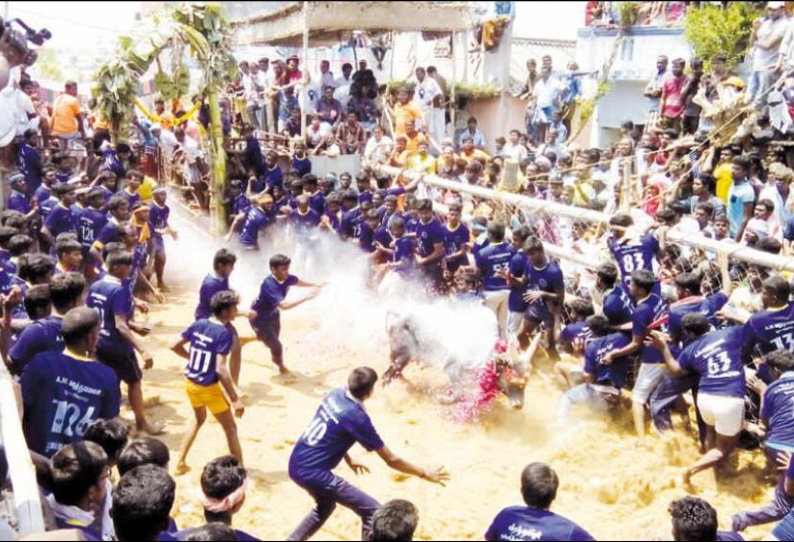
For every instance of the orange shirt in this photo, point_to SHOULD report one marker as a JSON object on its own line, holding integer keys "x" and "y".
{"x": 413, "y": 142}
{"x": 64, "y": 117}
{"x": 474, "y": 155}
{"x": 401, "y": 115}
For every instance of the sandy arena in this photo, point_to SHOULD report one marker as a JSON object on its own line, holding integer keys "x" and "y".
{"x": 612, "y": 489}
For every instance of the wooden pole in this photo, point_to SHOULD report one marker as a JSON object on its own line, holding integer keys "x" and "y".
{"x": 452, "y": 98}
{"x": 23, "y": 474}
{"x": 304, "y": 64}
{"x": 218, "y": 157}
{"x": 737, "y": 252}
{"x": 505, "y": 50}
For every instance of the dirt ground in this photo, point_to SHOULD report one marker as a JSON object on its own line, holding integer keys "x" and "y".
{"x": 608, "y": 486}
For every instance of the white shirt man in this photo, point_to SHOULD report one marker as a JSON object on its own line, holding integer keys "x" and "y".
{"x": 378, "y": 149}
{"x": 168, "y": 142}
{"x": 425, "y": 92}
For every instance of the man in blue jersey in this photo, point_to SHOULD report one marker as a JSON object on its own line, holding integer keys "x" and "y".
{"x": 208, "y": 376}
{"x": 64, "y": 392}
{"x": 493, "y": 267}
{"x": 717, "y": 358}
{"x": 634, "y": 254}
{"x": 516, "y": 306}
{"x": 257, "y": 218}
{"x": 119, "y": 210}
{"x": 616, "y": 304}
{"x": 776, "y": 408}
{"x": 650, "y": 311}
{"x": 430, "y": 252}
{"x": 265, "y": 314}
{"x": 159, "y": 213}
{"x": 602, "y": 383}
{"x": 79, "y": 477}
{"x": 772, "y": 329}
{"x": 44, "y": 335}
{"x": 457, "y": 240}
{"x": 539, "y": 484}
{"x": 120, "y": 337}
{"x": 90, "y": 222}
{"x": 689, "y": 301}
{"x": 544, "y": 296}
{"x": 695, "y": 519}
{"x": 61, "y": 219}
{"x": 340, "y": 422}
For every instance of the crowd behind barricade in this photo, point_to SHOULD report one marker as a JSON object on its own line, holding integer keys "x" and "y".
{"x": 83, "y": 252}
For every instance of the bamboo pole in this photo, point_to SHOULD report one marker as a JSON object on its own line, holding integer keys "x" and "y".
{"x": 20, "y": 467}
{"x": 737, "y": 252}
{"x": 218, "y": 157}
{"x": 304, "y": 65}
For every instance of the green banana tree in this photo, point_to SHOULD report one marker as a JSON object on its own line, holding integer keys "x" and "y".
{"x": 205, "y": 31}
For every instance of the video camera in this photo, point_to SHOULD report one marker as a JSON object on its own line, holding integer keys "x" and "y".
{"x": 14, "y": 50}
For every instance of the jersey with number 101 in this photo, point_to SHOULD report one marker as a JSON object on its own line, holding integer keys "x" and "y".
{"x": 633, "y": 256}
{"x": 771, "y": 330}
{"x": 208, "y": 340}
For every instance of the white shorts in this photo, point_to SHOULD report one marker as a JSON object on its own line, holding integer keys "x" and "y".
{"x": 514, "y": 321}
{"x": 648, "y": 378}
{"x": 725, "y": 414}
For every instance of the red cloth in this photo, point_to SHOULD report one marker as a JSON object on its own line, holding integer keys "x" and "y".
{"x": 674, "y": 103}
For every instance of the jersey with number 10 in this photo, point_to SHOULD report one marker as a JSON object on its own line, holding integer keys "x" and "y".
{"x": 771, "y": 330}
{"x": 208, "y": 340}
{"x": 633, "y": 256}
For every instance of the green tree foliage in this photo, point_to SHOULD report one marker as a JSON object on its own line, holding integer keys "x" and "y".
{"x": 712, "y": 29}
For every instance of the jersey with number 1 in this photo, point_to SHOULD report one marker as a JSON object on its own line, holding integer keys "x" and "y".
{"x": 208, "y": 340}
{"x": 633, "y": 256}
{"x": 62, "y": 396}
{"x": 771, "y": 330}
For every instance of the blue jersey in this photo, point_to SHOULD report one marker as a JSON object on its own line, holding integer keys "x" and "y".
{"x": 42, "y": 194}
{"x": 61, "y": 220}
{"x": 29, "y": 161}
{"x": 339, "y": 423}
{"x": 453, "y": 242}
{"x": 526, "y": 523}
{"x": 429, "y": 235}
{"x": 575, "y": 333}
{"x": 648, "y": 311}
{"x": 132, "y": 199}
{"x": 274, "y": 177}
{"x": 110, "y": 297}
{"x": 383, "y": 237}
{"x": 317, "y": 203}
{"x": 404, "y": 256}
{"x": 632, "y": 256}
{"x": 717, "y": 358}
{"x": 208, "y": 340}
{"x": 547, "y": 279}
{"x": 490, "y": 261}
{"x": 90, "y": 223}
{"x": 158, "y": 218}
{"x": 776, "y": 412}
{"x": 211, "y": 285}
{"x": 241, "y": 205}
{"x": 770, "y": 330}
{"x": 518, "y": 268}
{"x": 303, "y": 223}
{"x": 692, "y": 305}
{"x": 618, "y": 306}
{"x": 365, "y": 197}
{"x": 62, "y": 396}
{"x": 350, "y": 225}
{"x": 301, "y": 166}
{"x": 255, "y": 221}
{"x": 108, "y": 234}
{"x": 366, "y": 238}
{"x": 47, "y": 206}
{"x": 18, "y": 201}
{"x": 333, "y": 221}
{"x": 596, "y": 349}
{"x": 271, "y": 294}
{"x": 43, "y": 335}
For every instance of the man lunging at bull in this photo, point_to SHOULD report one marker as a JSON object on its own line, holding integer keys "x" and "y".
{"x": 340, "y": 422}
{"x": 265, "y": 314}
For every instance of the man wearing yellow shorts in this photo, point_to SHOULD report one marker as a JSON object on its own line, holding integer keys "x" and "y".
{"x": 210, "y": 343}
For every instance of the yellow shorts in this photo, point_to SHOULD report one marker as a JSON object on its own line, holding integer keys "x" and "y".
{"x": 207, "y": 396}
